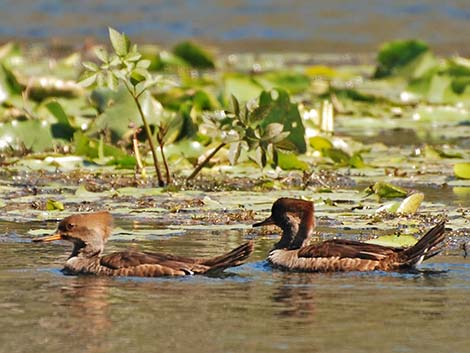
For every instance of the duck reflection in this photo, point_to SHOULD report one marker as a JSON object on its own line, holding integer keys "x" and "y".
{"x": 306, "y": 297}
{"x": 296, "y": 296}
{"x": 87, "y": 298}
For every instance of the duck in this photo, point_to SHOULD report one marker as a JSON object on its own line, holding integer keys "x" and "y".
{"x": 89, "y": 232}
{"x": 292, "y": 252}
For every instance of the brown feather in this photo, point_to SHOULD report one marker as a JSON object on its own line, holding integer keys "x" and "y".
{"x": 89, "y": 233}
{"x": 296, "y": 219}
{"x": 347, "y": 249}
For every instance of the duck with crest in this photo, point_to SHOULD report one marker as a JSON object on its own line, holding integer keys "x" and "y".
{"x": 89, "y": 232}
{"x": 296, "y": 219}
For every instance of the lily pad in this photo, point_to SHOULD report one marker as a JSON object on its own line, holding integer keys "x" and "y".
{"x": 17, "y": 134}
{"x": 53, "y": 205}
{"x": 462, "y": 170}
{"x": 386, "y": 190}
{"x": 411, "y": 204}
{"x": 396, "y": 241}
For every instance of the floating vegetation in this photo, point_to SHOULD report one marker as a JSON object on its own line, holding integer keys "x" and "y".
{"x": 214, "y": 134}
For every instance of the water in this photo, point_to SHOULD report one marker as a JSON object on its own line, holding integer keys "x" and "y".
{"x": 251, "y": 309}
{"x": 307, "y": 26}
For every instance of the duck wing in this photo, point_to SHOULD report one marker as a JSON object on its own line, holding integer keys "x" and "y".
{"x": 128, "y": 259}
{"x": 341, "y": 248}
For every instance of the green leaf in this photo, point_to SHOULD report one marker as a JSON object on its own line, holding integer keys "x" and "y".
{"x": 88, "y": 79}
{"x": 58, "y": 112}
{"x": 18, "y": 134}
{"x": 337, "y": 155}
{"x": 272, "y": 130}
{"x": 291, "y": 81}
{"x": 234, "y": 152}
{"x": 243, "y": 87}
{"x": 101, "y": 153}
{"x": 102, "y": 54}
{"x": 397, "y": 54}
{"x": 386, "y": 190}
{"x": 411, "y": 204}
{"x": 135, "y": 56}
{"x": 275, "y": 107}
{"x": 120, "y": 42}
{"x": 194, "y": 55}
{"x": 396, "y": 241}
{"x": 137, "y": 76}
{"x": 356, "y": 161}
{"x": 120, "y": 111}
{"x": 53, "y": 205}
{"x": 389, "y": 207}
{"x": 462, "y": 170}
{"x": 235, "y": 105}
{"x": 62, "y": 129}
{"x": 319, "y": 143}
{"x": 144, "y": 64}
{"x": 289, "y": 161}
{"x": 90, "y": 66}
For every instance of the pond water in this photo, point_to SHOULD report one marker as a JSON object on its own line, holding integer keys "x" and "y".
{"x": 250, "y": 309}
{"x": 333, "y": 26}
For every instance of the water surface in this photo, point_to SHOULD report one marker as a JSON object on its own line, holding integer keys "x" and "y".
{"x": 251, "y": 309}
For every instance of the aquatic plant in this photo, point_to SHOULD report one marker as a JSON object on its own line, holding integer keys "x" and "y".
{"x": 125, "y": 66}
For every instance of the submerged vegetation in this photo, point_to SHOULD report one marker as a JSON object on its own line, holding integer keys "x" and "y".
{"x": 351, "y": 135}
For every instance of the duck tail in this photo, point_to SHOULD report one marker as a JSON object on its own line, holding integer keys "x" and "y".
{"x": 236, "y": 257}
{"x": 426, "y": 247}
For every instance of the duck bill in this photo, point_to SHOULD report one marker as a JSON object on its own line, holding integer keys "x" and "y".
{"x": 268, "y": 221}
{"x": 52, "y": 237}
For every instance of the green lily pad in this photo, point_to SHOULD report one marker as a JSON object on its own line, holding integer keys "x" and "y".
{"x": 462, "y": 170}
{"x": 291, "y": 81}
{"x": 386, "y": 190}
{"x": 319, "y": 143}
{"x": 243, "y": 87}
{"x": 396, "y": 55}
{"x": 396, "y": 241}
{"x": 17, "y": 134}
{"x": 289, "y": 161}
{"x": 389, "y": 207}
{"x": 53, "y": 205}
{"x": 102, "y": 153}
{"x": 411, "y": 204}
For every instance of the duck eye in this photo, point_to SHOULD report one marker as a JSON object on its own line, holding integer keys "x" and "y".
{"x": 70, "y": 226}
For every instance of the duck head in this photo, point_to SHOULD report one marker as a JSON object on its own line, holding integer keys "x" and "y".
{"x": 296, "y": 219}
{"x": 87, "y": 232}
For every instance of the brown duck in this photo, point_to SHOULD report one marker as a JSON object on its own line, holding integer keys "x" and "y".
{"x": 89, "y": 233}
{"x": 296, "y": 219}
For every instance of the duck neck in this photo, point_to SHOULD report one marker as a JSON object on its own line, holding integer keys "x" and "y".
{"x": 304, "y": 231}
{"x": 84, "y": 259}
{"x": 289, "y": 228}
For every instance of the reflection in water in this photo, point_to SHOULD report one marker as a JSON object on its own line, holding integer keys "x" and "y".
{"x": 296, "y": 295}
{"x": 87, "y": 301}
{"x": 257, "y": 309}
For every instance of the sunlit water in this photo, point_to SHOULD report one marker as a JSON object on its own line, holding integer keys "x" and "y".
{"x": 312, "y": 26}
{"x": 251, "y": 309}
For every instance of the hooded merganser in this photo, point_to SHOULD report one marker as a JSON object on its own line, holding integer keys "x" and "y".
{"x": 89, "y": 233}
{"x": 296, "y": 219}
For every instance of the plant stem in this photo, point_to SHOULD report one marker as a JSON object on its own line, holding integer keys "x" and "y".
{"x": 149, "y": 138}
{"x": 140, "y": 166}
{"x": 167, "y": 169}
{"x": 205, "y": 161}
